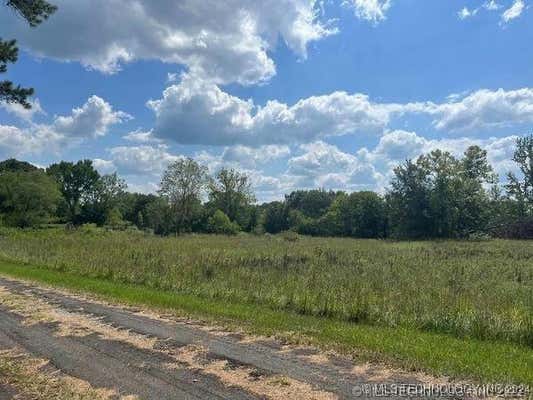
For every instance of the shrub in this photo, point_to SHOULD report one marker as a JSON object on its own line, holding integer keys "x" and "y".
{"x": 220, "y": 223}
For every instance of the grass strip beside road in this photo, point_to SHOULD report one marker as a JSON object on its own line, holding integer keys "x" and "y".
{"x": 439, "y": 354}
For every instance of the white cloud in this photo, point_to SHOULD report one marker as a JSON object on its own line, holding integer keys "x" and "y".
{"x": 21, "y": 112}
{"x": 370, "y": 10}
{"x": 485, "y": 109}
{"x": 17, "y": 142}
{"x": 142, "y": 166}
{"x": 93, "y": 119}
{"x": 141, "y": 160}
{"x": 324, "y": 165}
{"x": 514, "y": 11}
{"x": 199, "y": 112}
{"x": 491, "y": 5}
{"x": 242, "y": 157}
{"x": 104, "y": 166}
{"x": 143, "y": 187}
{"x": 465, "y": 13}
{"x": 249, "y": 157}
{"x": 140, "y": 136}
{"x": 226, "y": 41}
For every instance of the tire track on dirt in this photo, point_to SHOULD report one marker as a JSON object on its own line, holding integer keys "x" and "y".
{"x": 334, "y": 375}
{"x": 112, "y": 364}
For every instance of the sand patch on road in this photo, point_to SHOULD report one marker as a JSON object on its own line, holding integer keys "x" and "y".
{"x": 35, "y": 311}
{"x": 275, "y": 387}
{"x": 35, "y": 379}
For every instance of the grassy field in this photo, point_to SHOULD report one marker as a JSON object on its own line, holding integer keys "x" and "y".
{"x": 473, "y": 297}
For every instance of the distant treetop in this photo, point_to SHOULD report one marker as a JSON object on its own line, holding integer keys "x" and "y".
{"x": 13, "y": 165}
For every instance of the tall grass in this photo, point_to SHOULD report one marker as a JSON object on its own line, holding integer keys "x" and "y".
{"x": 482, "y": 290}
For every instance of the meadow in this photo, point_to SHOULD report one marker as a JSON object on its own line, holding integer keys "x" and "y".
{"x": 466, "y": 289}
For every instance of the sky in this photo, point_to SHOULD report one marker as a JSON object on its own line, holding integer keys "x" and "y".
{"x": 297, "y": 94}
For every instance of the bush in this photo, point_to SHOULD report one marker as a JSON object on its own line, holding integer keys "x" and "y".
{"x": 220, "y": 223}
{"x": 114, "y": 220}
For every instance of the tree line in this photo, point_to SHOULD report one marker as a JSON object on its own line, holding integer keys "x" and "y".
{"x": 435, "y": 196}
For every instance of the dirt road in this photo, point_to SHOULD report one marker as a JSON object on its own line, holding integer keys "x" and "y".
{"x": 126, "y": 353}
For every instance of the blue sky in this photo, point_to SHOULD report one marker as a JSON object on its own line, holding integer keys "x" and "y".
{"x": 297, "y": 93}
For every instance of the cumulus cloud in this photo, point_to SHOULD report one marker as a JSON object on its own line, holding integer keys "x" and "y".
{"x": 514, "y": 11}
{"x": 250, "y": 157}
{"x": 93, "y": 119}
{"x": 18, "y": 142}
{"x": 324, "y": 165}
{"x": 24, "y": 113}
{"x": 199, "y": 112}
{"x": 226, "y": 41}
{"x": 370, "y": 10}
{"x": 141, "y": 160}
{"x": 485, "y": 109}
{"x": 242, "y": 157}
{"x": 141, "y": 166}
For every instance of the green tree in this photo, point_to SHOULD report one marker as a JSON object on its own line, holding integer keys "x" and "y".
{"x": 13, "y": 165}
{"x": 77, "y": 183}
{"x": 311, "y": 203}
{"x": 34, "y": 12}
{"x": 158, "y": 217}
{"x": 231, "y": 192}
{"x": 520, "y": 188}
{"x": 103, "y": 202}
{"x": 133, "y": 207}
{"x": 408, "y": 201}
{"x": 475, "y": 202}
{"x": 275, "y": 217}
{"x": 359, "y": 214}
{"x": 441, "y": 196}
{"x": 442, "y": 171}
{"x": 27, "y": 199}
{"x": 181, "y": 185}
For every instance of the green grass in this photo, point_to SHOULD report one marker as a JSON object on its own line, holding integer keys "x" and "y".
{"x": 459, "y": 307}
{"x": 481, "y": 290}
{"x": 486, "y": 361}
